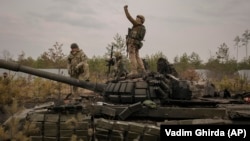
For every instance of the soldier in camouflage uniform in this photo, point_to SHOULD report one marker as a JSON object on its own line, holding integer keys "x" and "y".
{"x": 77, "y": 64}
{"x": 119, "y": 66}
{"x": 134, "y": 42}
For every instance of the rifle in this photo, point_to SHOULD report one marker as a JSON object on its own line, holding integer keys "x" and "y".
{"x": 127, "y": 36}
{"x": 110, "y": 62}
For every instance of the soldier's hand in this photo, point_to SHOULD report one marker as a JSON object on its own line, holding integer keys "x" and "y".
{"x": 76, "y": 71}
{"x": 78, "y": 66}
{"x": 126, "y": 6}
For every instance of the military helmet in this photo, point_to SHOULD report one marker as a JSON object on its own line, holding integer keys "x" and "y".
{"x": 74, "y": 45}
{"x": 141, "y": 17}
{"x": 118, "y": 54}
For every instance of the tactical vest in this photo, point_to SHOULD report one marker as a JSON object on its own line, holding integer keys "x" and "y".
{"x": 137, "y": 32}
{"x": 73, "y": 60}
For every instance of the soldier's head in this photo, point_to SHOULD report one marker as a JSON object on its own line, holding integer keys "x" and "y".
{"x": 118, "y": 55}
{"x": 140, "y": 18}
{"x": 74, "y": 47}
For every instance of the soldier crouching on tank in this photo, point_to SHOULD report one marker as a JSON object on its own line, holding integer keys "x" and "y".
{"x": 77, "y": 65}
{"x": 119, "y": 66}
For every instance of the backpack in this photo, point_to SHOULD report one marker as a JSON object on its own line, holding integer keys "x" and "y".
{"x": 141, "y": 32}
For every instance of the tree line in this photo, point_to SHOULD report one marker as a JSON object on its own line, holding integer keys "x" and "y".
{"x": 220, "y": 63}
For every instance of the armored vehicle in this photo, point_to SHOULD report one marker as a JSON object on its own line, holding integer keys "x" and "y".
{"x": 132, "y": 108}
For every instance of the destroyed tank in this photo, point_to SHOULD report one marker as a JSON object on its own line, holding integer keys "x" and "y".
{"x": 132, "y": 107}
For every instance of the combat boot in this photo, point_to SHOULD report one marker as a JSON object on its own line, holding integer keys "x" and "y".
{"x": 132, "y": 74}
{"x": 142, "y": 72}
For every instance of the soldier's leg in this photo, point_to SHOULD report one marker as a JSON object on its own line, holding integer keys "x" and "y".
{"x": 85, "y": 75}
{"x": 75, "y": 90}
{"x": 72, "y": 88}
{"x": 141, "y": 67}
{"x": 132, "y": 58}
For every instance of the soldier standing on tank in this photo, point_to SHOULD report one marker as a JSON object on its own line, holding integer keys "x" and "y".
{"x": 77, "y": 65}
{"x": 134, "y": 42}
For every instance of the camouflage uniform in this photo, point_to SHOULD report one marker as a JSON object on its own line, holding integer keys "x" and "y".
{"x": 134, "y": 42}
{"x": 77, "y": 65}
{"x": 119, "y": 66}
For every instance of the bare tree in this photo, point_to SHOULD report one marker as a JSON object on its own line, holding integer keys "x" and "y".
{"x": 245, "y": 39}
{"x": 55, "y": 56}
{"x": 21, "y": 57}
{"x": 237, "y": 41}
{"x": 223, "y": 53}
{"x": 6, "y": 55}
{"x": 119, "y": 45}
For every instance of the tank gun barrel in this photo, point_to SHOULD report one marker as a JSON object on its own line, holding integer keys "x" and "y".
{"x": 97, "y": 87}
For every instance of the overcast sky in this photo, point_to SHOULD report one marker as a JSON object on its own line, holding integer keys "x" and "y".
{"x": 173, "y": 27}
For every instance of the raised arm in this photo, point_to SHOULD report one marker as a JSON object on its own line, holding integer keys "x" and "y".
{"x": 133, "y": 21}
